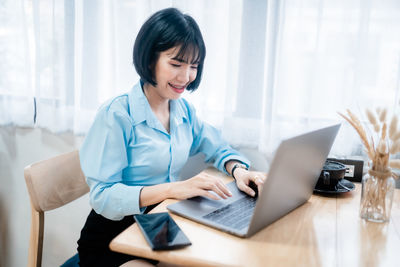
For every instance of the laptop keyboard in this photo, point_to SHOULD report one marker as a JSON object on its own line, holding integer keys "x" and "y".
{"x": 236, "y": 215}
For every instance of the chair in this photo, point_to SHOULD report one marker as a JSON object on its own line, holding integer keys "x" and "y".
{"x": 51, "y": 184}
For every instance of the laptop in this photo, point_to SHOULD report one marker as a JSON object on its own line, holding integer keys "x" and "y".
{"x": 292, "y": 176}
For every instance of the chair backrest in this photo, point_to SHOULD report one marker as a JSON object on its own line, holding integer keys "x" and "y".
{"x": 51, "y": 183}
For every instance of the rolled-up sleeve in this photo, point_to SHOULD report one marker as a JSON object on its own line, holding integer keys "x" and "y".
{"x": 208, "y": 140}
{"x": 103, "y": 157}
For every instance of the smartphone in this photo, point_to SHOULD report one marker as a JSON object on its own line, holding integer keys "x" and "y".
{"x": 161, "y": 231}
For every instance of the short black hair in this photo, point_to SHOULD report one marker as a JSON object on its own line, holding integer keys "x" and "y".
{"x": 166, "y": 29}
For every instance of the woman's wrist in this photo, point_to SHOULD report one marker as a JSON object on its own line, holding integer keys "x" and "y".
{"x": 232, "y": 166}
{"x": 169, "y": 191}
{"x": 156, "y": 193}
{"x": 236, "y": 168}
{"x": 229, "y": 166}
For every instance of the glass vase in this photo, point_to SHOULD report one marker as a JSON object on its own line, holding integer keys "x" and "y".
{"x": 377, "y": 196}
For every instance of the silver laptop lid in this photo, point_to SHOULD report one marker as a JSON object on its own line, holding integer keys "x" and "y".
{"x": 293, "y": 175}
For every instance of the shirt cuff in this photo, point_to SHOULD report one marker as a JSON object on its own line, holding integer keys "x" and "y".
{"x": 130, "y": 196}
{"x": 241, "y": 159}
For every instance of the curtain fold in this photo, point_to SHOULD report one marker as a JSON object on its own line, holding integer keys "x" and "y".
{"x": 273, "y": 68}
{"x": 330, "y": 56}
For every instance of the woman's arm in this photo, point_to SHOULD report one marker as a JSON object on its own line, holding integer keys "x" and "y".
{"x": 103, "y": 157}
{"x": 200, "y": 185}
{"x": 243, "y": 177}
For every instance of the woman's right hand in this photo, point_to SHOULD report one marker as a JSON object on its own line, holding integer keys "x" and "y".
{"x": 201, "y": 185}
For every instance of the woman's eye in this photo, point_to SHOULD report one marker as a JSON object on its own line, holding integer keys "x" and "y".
{"x": 175, "y": 65}
{"x": 194, "y": 67}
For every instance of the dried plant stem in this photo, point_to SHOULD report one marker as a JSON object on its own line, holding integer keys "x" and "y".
{"x": 393, "y": 128}
{"x": 382, "y": 115}
{"x": 394, "y": 163}
{"x": 395, "y": 147}
{"x": 373, "y": 120}
{"x": 378, "y": 185}
{"x": 352, "y": 119}
{"x": 396, "y": 137}
{"x": 373, "y": 201}
{"x": 384, "y": 132}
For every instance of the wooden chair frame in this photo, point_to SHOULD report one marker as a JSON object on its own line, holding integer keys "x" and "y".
{"x": 51, "y": 184}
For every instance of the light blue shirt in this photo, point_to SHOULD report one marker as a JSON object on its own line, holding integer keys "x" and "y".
{"x": 127, "y": 148}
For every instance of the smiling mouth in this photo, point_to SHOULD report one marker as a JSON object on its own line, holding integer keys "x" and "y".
{"x": 176, "y": 88}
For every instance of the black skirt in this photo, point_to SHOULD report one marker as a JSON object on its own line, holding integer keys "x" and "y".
{"x": 96, "y": 235}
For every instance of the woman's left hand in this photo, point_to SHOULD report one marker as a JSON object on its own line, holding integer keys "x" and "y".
{"x": 244, "y": 177}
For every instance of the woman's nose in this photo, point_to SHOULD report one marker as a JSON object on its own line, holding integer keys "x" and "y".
{"x": 184, "y": 75}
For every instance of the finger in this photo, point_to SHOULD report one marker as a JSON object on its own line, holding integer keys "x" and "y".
{"x": 261, "y": 175}
{"x": 264, "y": 176}
{"x": 207, "y": 184}
{"x": 217, "y": 190}
{"x": 258, "y": 181}
{"x": 208, "y": 194}
{"x": 245, "y": 188}
{"x": 224, "y": 188}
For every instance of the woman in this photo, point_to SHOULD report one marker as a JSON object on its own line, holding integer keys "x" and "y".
{"x": 139, "y": 141}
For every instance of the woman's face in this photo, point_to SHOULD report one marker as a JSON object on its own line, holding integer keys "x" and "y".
{"x": 173, "y": 75}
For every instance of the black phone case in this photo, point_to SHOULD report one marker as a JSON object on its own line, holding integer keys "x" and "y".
{"x": 161, "y": 232}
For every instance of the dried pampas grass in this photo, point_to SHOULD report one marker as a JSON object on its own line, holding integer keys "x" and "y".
{"x": 387, "y": 139}
{"x": 386, "y": 142}
{"x": 355, "y": 122}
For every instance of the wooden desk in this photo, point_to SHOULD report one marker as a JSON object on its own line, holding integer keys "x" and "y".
{"x": 325, "y": 231}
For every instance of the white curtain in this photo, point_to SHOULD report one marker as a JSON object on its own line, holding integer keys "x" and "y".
{"x": 61, "y": 59}
{"x": 329, "y": 56}
{"x": 273, "y": 68}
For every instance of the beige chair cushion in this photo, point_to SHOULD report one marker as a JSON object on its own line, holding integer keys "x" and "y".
{"x": 55, "y": 182}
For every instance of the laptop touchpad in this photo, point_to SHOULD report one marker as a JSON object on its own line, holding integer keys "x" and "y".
{"x": 222, "y": 202}
{"x": 207, "y": 201}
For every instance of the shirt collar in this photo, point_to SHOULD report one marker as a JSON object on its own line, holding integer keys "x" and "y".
{"x": 140, "y": 109}
{"x": 176, "y": 112}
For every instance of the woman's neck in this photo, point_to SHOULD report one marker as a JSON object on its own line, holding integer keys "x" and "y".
{"x": 157, "y": 103}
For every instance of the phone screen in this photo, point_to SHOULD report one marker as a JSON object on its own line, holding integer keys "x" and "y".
{"x": 161, "y": 231}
